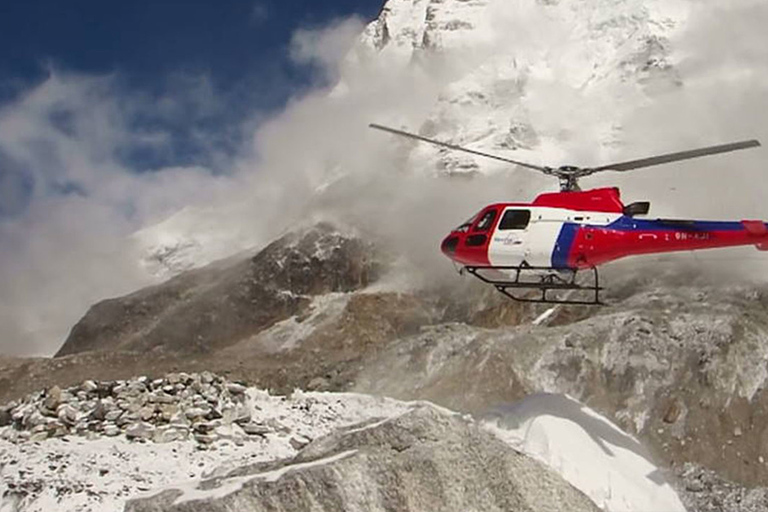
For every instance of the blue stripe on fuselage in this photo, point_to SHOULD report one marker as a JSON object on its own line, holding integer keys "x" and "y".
{"x": 563, "y": 245}
{"x": 625, "y": 223}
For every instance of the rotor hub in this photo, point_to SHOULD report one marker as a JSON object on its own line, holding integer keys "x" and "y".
{"x": 568, "y": 176}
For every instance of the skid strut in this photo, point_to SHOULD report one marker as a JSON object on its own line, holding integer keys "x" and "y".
{"x": 547, "y": 280}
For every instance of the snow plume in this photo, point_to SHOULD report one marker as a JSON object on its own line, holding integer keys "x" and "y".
{"x": 327, "y": 46}
{"x": 589, "y": 84}
{"x": 721, "y": 58}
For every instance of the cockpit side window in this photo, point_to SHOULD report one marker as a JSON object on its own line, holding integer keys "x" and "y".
{"x": 515, "y": 219}
{"x": 486, "y": 221}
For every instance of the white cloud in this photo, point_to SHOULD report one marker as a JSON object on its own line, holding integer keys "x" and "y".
{"x": 326, "y": 47}
{"x": 65, "y": 251}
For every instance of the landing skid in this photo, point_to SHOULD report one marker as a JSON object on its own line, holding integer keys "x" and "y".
{"x": 547, "y": 280}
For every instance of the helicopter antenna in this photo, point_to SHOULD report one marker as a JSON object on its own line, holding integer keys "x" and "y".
{"x": 568, "y": 175}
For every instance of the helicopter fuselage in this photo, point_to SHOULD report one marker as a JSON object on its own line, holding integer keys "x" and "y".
{"x": 583, "y": 229}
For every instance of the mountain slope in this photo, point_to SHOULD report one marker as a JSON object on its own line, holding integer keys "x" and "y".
{"x": 228, "y": 301}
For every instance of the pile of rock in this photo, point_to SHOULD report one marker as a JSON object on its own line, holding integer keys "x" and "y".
{"x": 703, "y": 490}
{"x": 204, "y": 407}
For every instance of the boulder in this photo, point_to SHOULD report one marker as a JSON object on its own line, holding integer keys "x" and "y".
{"x": 235, "y": 388}
{"x": 53, "y": 398}
{"x": 140, "y": 431}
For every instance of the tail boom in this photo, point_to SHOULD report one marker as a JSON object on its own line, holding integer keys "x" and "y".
{"x": 595, "y": 245}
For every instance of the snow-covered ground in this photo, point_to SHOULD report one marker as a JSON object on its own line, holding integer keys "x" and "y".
{"x": 100, "y": 474}
{"x": 590, "y": 452}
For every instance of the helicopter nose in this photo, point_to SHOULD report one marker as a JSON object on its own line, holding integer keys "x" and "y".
{"x": 448, "y": 247}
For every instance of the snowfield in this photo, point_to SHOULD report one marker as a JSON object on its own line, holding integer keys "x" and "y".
{"x": 100, "y": 473}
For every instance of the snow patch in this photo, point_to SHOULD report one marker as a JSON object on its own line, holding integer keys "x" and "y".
{"x": 287, "y": 334}
{"x": 589, "y": 451}
{"x": 544, "y": 316}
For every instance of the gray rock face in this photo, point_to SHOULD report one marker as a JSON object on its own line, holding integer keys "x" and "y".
{"x": 317, "y": 261}
{"x": 225, "y": 302}
{"x": 424, "y": 460}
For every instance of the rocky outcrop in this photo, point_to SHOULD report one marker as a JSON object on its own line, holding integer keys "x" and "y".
{"x": 423, "y": 460}
{"x": 223, "y": 303}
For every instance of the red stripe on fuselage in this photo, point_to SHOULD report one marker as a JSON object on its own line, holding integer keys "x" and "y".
{"x": 597, "y": 245}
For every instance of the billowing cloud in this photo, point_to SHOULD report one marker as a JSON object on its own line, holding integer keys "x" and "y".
{"x": 70, "y": 199}
{"x": 326, "y": 47}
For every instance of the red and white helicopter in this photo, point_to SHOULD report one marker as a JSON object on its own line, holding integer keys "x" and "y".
{"x": 518, "y": 247}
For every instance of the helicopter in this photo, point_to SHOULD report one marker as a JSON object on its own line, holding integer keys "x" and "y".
{"x": 544, "y": 245}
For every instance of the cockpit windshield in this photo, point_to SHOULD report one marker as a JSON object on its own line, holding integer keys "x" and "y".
{"x": 466, "y": 225}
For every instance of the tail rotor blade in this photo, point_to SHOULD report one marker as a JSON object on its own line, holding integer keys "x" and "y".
{"x": 675, "y": 157}
{"x": 458, "y": 148}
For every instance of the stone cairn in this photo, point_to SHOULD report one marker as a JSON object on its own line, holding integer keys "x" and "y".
{"x": 204, "y": 407}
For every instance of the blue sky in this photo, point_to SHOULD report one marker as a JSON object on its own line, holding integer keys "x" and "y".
{"x": 237, "y": 50}
{"x": 144, "y": 40}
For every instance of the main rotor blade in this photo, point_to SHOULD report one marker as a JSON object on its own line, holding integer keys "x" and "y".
{"x": 674, "y": 157}
{"x": 457, "y": 148}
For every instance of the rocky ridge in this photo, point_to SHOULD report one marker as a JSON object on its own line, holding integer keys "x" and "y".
{"x": 230, "y": 300}
{"x": 422, "y": 460}
{"x": 297, "y": 450}
{"x": 683, "y": 368}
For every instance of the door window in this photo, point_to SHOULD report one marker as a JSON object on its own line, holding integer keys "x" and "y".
{"x": 515, "y": 219}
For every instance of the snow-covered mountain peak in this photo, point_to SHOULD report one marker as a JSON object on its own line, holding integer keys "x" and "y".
{"x": 551, "y": 75}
